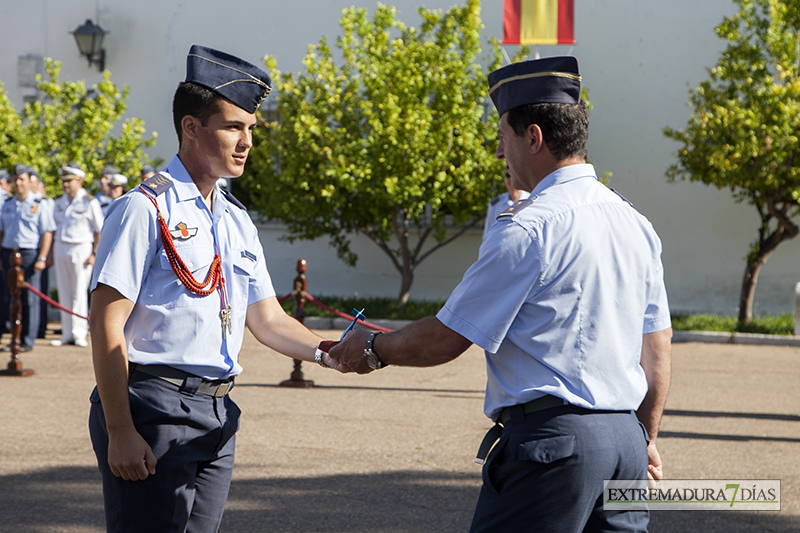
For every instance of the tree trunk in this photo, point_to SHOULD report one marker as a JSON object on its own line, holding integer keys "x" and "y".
{"x": 405, "y": 287}
{"x": 766, "y": 247}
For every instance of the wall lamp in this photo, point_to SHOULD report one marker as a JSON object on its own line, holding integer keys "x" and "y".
{"x": 89, "y": 37}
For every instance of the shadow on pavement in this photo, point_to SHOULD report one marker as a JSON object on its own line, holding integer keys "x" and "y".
{"x": 69, "y": 500}
{"x": 722, "y": 414}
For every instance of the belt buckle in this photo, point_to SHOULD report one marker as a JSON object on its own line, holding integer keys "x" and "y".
{"x": 223, "y": 389}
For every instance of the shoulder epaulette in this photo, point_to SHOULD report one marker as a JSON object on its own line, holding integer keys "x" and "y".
{"x": 494, "y": 200}
{"x": 89, "y": 197}
{"x": 158, "y": 184}
{"x": 623, "y": 198}
{"x": 9, "y": 198}
{"x": 518, "y": 206}
{"x": 232, "y": 199}
{"x": 38, "y": 200}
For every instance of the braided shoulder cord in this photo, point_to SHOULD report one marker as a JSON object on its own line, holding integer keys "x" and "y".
{"x": 214, "y": 277}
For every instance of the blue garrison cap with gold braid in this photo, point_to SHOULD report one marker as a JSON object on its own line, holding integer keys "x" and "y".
{"x": 554, "y": 80}
{"x": 243, "y": 83}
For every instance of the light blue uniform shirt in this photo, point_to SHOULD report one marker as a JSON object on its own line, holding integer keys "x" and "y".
{"x": 22, "y": 223}
{"x": 170, "y": 325}
{"x": 587, "y": 281}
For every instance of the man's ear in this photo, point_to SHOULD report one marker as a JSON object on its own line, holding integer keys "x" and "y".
{"x": 190, "y": 125}
{"x": 535, "y": 139}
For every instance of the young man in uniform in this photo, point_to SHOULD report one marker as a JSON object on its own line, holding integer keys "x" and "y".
{"x": 174, "y": 286}
{"x": 26, "y": 223}
{"x": 578, "y": 354}
{"x": 79, "y": 220}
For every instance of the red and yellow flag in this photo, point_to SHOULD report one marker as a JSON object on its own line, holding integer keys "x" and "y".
{"x": 538, "y": 21}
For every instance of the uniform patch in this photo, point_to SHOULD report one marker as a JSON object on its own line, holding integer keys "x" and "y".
{"x": 518, "y": 206}
{"x": 249, "y": 255}
{"x": 158, "y": 184}
{"x": 183, "y": 232}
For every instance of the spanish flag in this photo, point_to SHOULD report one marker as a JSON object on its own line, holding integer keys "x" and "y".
{"x": 538, "y": 21}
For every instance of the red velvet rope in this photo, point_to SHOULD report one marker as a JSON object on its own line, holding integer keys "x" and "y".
{"x": 52, "y": 302}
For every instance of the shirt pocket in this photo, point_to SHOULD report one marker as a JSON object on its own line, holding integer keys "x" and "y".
{"x": 198, "y": 259}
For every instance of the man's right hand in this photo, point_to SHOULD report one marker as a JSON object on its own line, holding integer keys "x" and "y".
{"x": 130, "y": 457}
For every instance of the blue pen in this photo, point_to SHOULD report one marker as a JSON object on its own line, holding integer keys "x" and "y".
{"x": 357, "y": 315}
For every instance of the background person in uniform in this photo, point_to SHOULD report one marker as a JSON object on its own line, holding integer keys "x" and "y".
{"x": 79, "y": 220}
{"x": 147, "y": 172}
{"x": 579, "y": 349}
{"x": 27, "y": 224}
{"x": 117, "y": 186}
{"x": 39, "y": 188}
{"x": 165, "y": 348}
{"x": 501, "y": 202}
{"x": 104, "y": 195}
{"x": 5, "y": 185}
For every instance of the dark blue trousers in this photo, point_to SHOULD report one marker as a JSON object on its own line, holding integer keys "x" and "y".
{"x": 193, "y": 439}
{"x": 546, "y": 472}
{"x": 30, "y": 302}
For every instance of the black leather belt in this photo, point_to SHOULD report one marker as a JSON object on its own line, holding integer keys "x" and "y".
{"x": 539, "y": 404}
{"x": 185, "y": 381}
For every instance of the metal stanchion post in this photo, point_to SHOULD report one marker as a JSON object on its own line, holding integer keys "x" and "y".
{"x": 300, "y": 290}
{"x": 16, "y": 282}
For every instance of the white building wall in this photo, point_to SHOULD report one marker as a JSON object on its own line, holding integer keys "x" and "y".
{"x": 638, "y": 58}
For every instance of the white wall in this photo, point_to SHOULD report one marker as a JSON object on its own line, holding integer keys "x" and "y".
{"x": 638, "y": 58}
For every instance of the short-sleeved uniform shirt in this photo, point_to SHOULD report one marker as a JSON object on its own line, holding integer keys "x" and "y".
{"x": 23, "y": 223}
{"x": 78, "y": 220}
{"x": 588, "y": 282}
{"x": 170, "y": 325}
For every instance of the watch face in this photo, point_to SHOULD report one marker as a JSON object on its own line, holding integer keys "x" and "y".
{"x": 372, "y": 360}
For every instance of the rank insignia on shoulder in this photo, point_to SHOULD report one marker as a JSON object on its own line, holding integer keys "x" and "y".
{"x": 249, "y": 255}
{"x": 623, "y": 198}
{"x": 518, "y": 206}
{"x": 183, "y": 232}
{"x": 158, "y": 184}
{"x": 494, "y": 200}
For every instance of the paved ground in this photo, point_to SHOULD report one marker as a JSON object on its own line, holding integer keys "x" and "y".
{"x": 393, "y": 451}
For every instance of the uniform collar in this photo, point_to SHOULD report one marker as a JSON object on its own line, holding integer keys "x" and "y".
{"x": 563, "y": 175}
{"x": 78, "y": 195}
{"x": 29, "y": 199}
{"x": 185, "y": 189}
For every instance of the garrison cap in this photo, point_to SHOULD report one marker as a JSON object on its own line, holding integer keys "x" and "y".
{"x": 552, "y": 80}
{"x": 146, "y": 168}
{"x": 72, "y": 170}
{"x": 110, "y": 170}
{"x": 4, "y": 174}
{"x": 244, "y": 84}
{"x": 33, "y": 172}
{"x": 20, "y": 169}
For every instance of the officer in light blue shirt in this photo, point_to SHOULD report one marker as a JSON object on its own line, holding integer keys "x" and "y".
{"x": 179, "y": 274}
{"x": 501, "y": 202}
{"x": 26, "y": 223}
{"x": 578, "y": 353}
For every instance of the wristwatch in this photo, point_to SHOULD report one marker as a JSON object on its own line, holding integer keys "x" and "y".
{"x": 371, "y": 357}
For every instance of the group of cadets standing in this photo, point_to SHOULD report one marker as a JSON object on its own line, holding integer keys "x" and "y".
{"x": 62, "y": 233}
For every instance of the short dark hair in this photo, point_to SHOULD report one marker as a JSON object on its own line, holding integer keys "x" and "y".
{"x": 565, "y": 127}
{"x": 196, "y": 101}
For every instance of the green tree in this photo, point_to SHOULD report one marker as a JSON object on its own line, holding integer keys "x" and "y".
{"x": 743, "y": 134}
{"x": 389, "y": 144}
{"x": 72, "y": 124}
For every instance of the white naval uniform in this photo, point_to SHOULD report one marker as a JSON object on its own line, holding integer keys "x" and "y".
{"x": 77, "y": 222}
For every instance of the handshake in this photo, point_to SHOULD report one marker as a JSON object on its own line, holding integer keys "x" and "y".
{"x": 352, "y": 354}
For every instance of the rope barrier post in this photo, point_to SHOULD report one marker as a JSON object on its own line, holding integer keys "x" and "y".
{"x": 16, "y": 282}
{"x": 299, "y": 292}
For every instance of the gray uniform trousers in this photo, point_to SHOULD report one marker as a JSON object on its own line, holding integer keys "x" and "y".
{"x": 193, "y": 439}
{"x": 546, "y": 472}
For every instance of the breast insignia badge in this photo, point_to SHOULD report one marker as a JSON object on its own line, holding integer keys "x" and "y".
{"x": 183, "y": 232}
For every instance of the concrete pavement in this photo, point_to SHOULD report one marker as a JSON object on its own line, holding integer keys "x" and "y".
{"x": 393, "y": 451}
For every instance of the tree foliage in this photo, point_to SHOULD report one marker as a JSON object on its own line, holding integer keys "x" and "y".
{"x": 390, "y": 142}
{"x": 72, "y": 124}
{"x": 743, "y": 134}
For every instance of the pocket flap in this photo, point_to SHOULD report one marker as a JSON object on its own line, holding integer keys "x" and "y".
{"x": 194, "y": 257}
{"x": 547, "y": 450}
